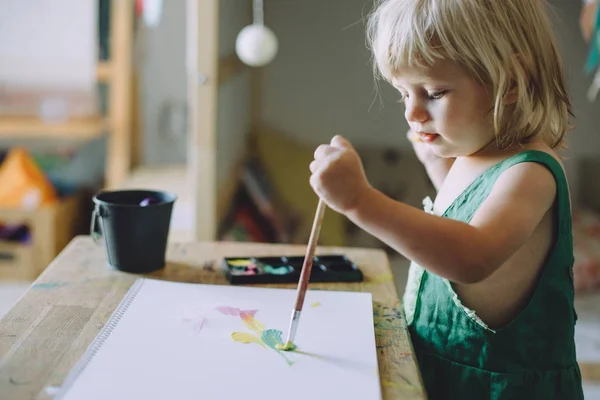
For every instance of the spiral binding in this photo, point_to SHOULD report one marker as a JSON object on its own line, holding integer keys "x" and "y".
{"x": 98, "y": 342}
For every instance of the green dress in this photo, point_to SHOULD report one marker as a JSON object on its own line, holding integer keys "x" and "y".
{"x": 532, "y": 357}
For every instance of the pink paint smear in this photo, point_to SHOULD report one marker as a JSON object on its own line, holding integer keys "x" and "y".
{"x": 196, "y": 323}
{"x": 235, "y": 312}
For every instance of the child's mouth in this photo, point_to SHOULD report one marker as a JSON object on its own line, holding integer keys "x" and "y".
{"x": 428, "y": 137}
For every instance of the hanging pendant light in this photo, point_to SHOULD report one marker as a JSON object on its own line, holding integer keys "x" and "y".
{"x": 256, "y": 45}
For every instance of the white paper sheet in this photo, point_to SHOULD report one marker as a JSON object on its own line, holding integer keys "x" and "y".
{"x": 175, "y": 342}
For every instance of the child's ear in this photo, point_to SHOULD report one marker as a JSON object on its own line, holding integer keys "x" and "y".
{"x": 512, "y": 95}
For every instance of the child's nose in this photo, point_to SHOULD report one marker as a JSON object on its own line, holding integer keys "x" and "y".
{"x": 415, "y": 112}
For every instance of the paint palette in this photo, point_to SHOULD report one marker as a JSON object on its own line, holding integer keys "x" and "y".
{"x": 326, "y": 268}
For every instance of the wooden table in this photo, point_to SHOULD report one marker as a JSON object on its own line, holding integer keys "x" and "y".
{"x": 50, "y": 327}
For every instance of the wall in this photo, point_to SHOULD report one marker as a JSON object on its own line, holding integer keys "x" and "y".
{"x": 163, "y": 88}
{"x": 234, "y": 118}
{"x": 160, "y": 57}
{"x": 321, "y": 82}
{"x": 584, "y": 141}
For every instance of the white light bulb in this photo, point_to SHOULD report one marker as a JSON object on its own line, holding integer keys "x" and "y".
{"x": 152, "y": 12}
{"x": 256, "y": 45}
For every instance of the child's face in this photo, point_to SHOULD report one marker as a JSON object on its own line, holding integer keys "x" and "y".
{"x": 447, "y": 108}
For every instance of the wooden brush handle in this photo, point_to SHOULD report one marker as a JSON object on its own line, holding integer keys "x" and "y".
{"x": 310, "y": 254}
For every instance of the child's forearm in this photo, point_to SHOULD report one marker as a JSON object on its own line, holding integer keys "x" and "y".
{"x": 438, "y": 170}
{"x": 449, "y": 248}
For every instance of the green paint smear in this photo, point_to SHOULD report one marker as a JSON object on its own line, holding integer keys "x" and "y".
{"x": 283, "y": 270}
{"x": 272, "y": 338}
{"x": 387, "y": 320}
{"x": 387, "y": 317}
{"x": 48, "y": 285}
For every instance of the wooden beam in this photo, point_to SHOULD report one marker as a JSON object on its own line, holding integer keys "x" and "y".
{"x": 33, "y": 127}
{"x": 118, "y": 160}
{"x": 103, "y": 71}
{"x": 229, "y": 67}
{"x": 203, "y": 85}
{"x": 136, "y": 122}
{"x": 590, "y": 372}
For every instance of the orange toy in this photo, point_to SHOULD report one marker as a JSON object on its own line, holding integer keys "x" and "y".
{"x": 22, "y": 183}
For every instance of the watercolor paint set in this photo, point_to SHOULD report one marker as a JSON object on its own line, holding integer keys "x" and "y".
{"x": 256, "y": 270}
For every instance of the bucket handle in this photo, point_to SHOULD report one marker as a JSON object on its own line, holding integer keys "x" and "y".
{"x": 96, "y": 236}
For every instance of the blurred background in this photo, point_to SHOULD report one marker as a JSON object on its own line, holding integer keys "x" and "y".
{"x": 101, "y": 94}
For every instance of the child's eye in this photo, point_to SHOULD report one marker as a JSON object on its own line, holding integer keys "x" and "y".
{"x": 437, "y": 95}
{"x": 403, "y": 97}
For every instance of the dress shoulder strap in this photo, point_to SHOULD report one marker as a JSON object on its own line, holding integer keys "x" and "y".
{"x": 469, "y": 201}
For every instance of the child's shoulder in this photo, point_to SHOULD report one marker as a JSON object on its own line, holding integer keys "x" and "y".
{"x": 528, "y": 181}
{"x": 540, "y": 175}
{"x": 530, "y": 174}
{"x": 531, "y": 163}
{"x": 535, "y": 164}
{"x": 541, "y": 147}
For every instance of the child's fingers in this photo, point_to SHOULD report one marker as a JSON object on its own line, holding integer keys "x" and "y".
{"x": 414, "y": 137}
{"x": 341, "y": 142}
{"x": 324, "y": 150}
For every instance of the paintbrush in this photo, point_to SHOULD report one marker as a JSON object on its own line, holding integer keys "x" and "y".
{"x": 305, "y": 276}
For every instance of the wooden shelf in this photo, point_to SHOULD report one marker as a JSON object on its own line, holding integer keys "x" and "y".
{"x": 77, "y": 128}
{"x": 51, "y": 228}
{"x": 103, "y": 71}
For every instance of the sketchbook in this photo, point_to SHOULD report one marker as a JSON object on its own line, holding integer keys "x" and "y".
{"x": 172, "y": 340}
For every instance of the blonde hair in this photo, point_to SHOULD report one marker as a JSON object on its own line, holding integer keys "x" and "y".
{"x": 506, "y": 45}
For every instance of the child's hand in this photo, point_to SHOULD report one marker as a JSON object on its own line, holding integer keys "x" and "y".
{"x": 338, "y": 176}
{"x": 422, "y": 150}
{"x": 437, "y": 167}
